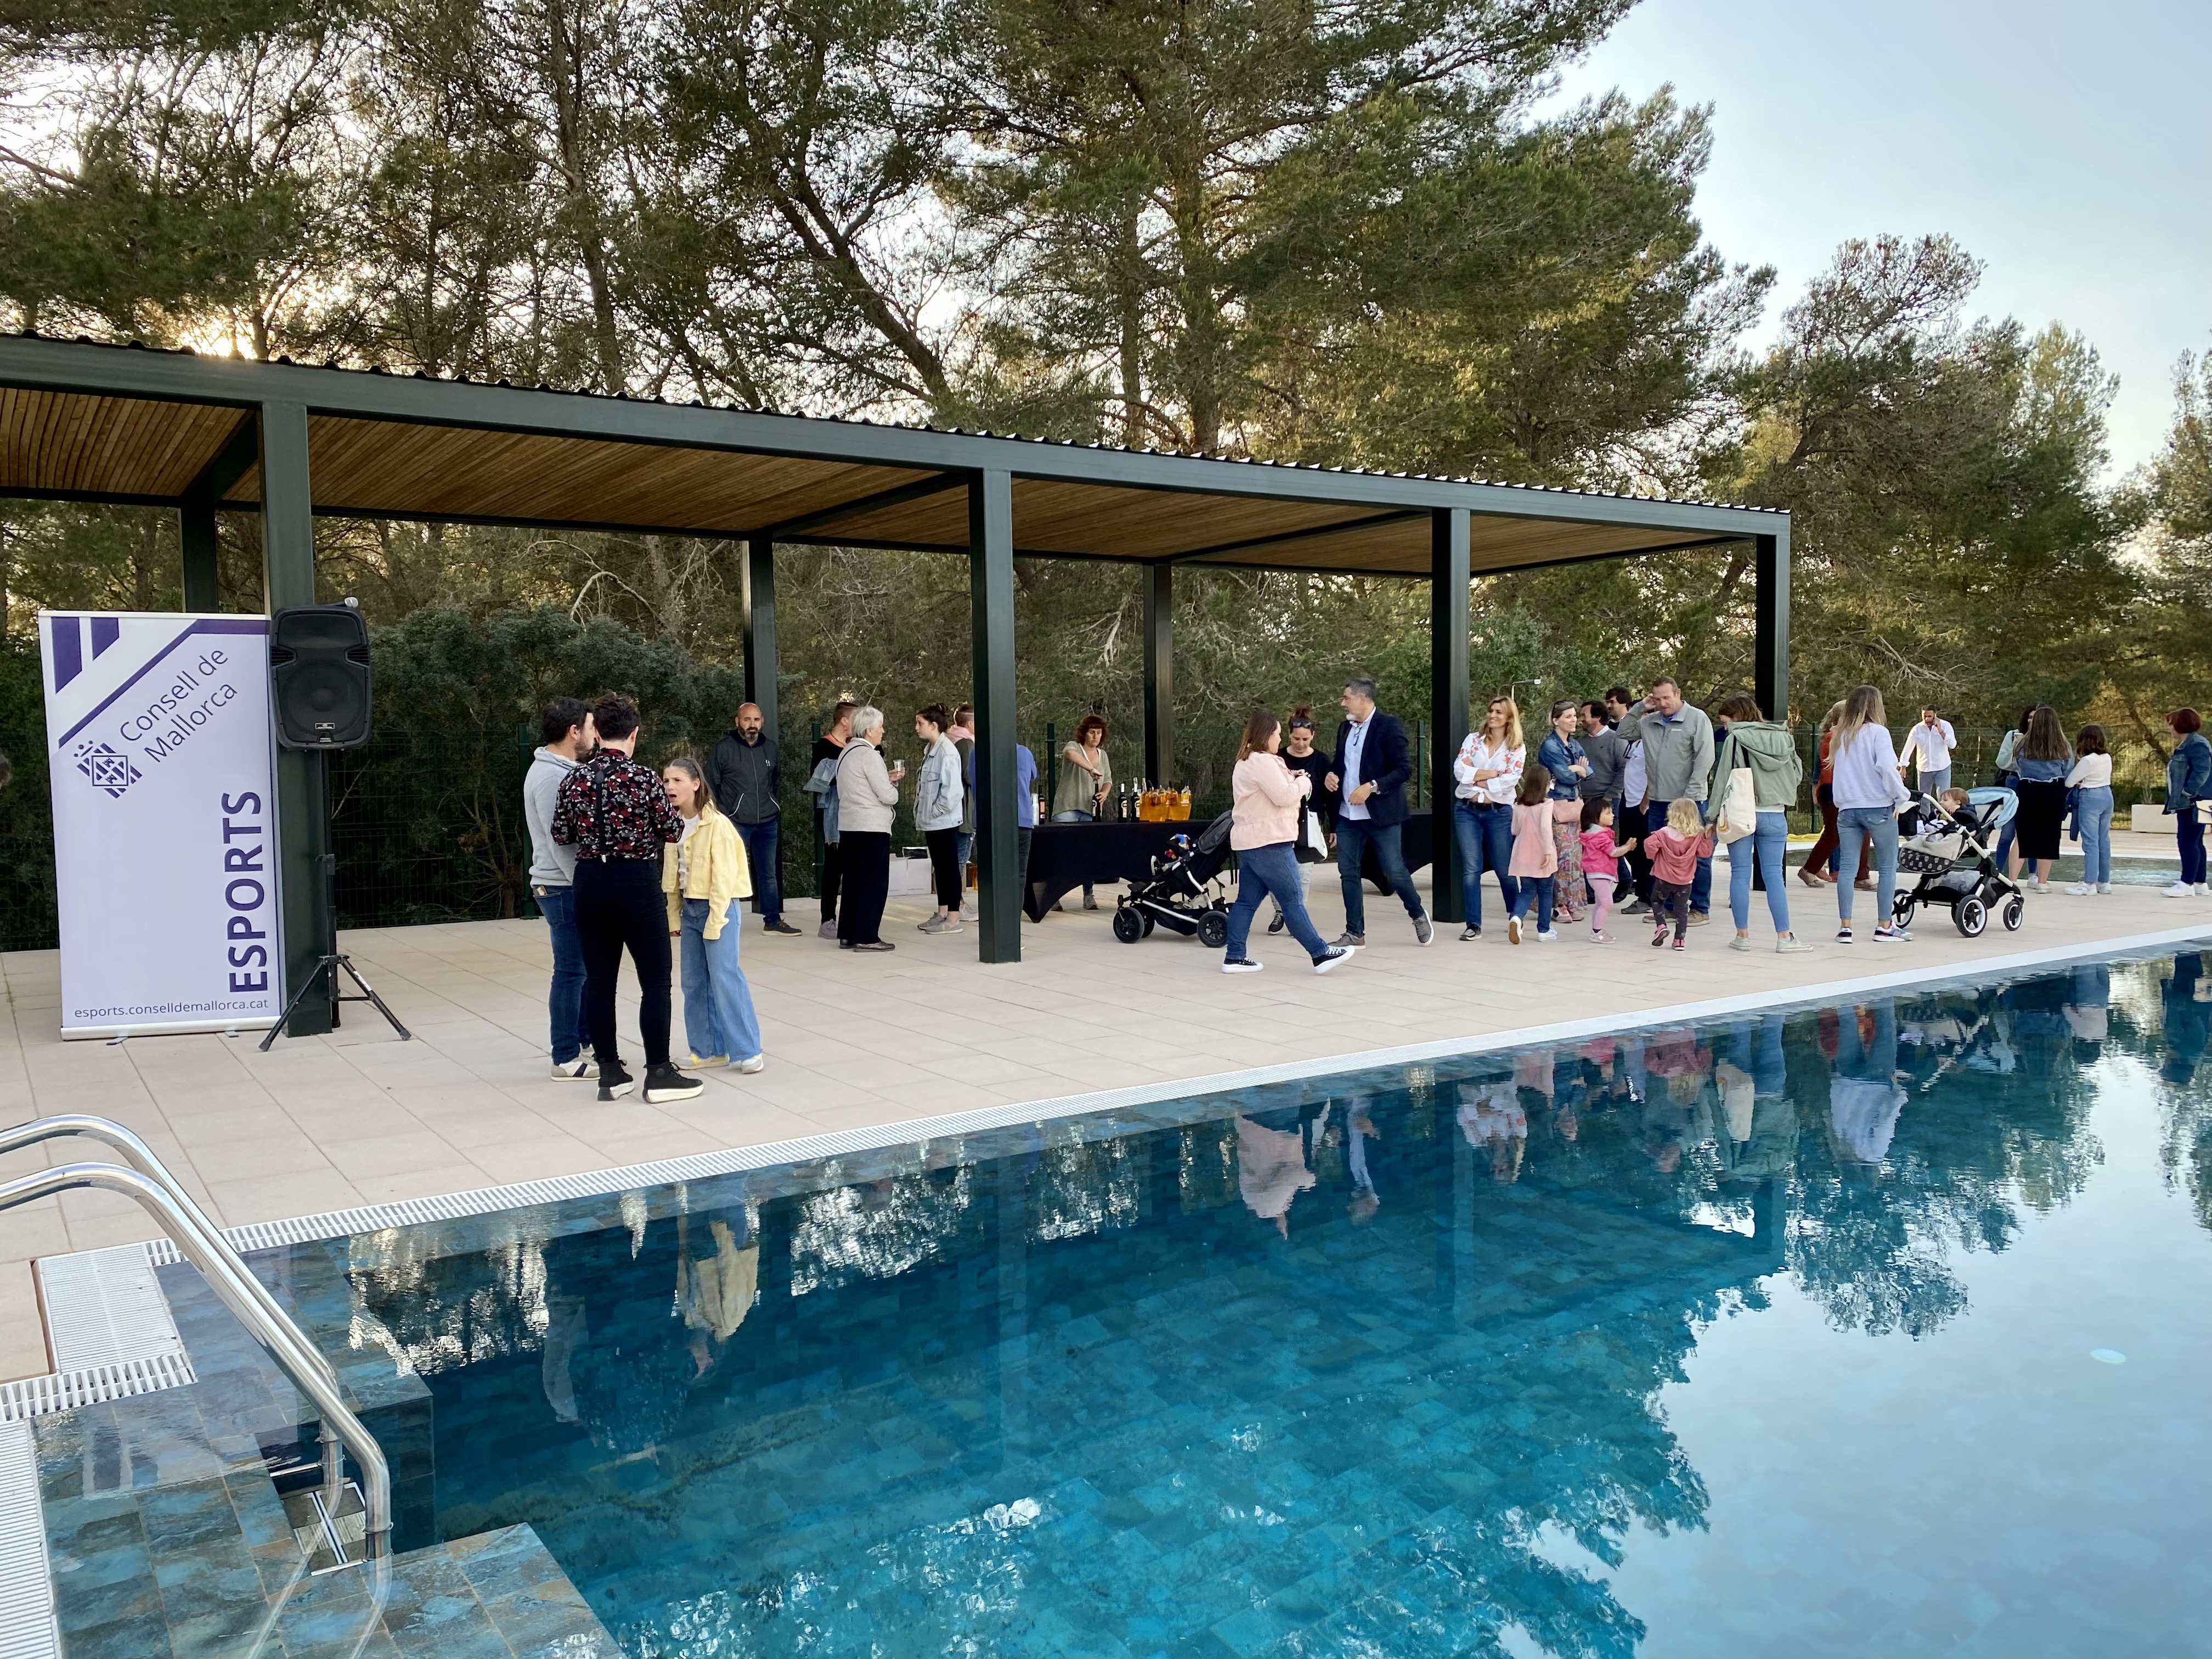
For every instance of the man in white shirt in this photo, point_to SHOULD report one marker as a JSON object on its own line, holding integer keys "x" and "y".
{"x": 1933, "y": 742}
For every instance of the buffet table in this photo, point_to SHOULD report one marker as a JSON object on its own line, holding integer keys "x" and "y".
{"x": 1064, "y": 856}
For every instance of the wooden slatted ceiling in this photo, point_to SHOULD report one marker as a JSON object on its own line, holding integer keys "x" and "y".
{"x": 380, "y": 467}
{"x": 107, "y": 446}
{"x": 1052, "y": 517}
{"x": 126, "y": 447}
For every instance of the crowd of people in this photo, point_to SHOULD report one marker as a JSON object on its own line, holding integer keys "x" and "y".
{"x": 1619, "y": 812}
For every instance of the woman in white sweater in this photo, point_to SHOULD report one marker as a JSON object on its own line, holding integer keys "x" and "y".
{"x": 1263, "y": 830}
{"x": 1868, "y": 787}
{"x": 2091, "y": 781}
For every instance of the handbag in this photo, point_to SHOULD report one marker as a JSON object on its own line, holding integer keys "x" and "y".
{"x": 1313, "y": 846}
{"x": 1567, "y": 812}
{"x": 1739, "y": 813}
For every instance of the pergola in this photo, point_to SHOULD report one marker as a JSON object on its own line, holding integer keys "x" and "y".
{"x": 85, "y": 422}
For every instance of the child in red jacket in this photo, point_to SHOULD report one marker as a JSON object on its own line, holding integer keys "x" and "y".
{"x": 1674, "y": 852}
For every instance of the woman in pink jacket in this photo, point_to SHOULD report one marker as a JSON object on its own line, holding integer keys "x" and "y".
{"x": 1263, "y": 830}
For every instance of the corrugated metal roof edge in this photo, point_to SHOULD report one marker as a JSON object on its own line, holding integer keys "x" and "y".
{"x": 336, "y": 368}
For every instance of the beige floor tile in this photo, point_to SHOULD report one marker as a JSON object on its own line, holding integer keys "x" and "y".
{"x": 32, "y": 1230}
{"x": 22, "y": 1329}
{"x": 392, "y": 1155}
{"x": 273, "y": 1198}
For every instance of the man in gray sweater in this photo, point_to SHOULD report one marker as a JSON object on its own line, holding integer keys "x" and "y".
{"x": 568, "y": 742}
{"x": 1678, "y": 760}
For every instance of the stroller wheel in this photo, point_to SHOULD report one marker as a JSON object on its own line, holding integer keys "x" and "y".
{"x": 2016, "y": 913}
{"x": 1213, "y": 930}
{"x": 1148, "y": 926}
{"x": 1971, "y": 916}
{"x": 1900, "y": 908}
{"x": 1128, "y": 926}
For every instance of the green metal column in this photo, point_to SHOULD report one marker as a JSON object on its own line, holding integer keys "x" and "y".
{"x": 760, "y": 667}
{"x": 1771, "y": 646}
{"x": 197, "y": 534}
{"x": 1159, "y": 672}
{"x": 303, "y": 823}
{"x": 1449, "y": 580}
{"x": 991, "y": 592}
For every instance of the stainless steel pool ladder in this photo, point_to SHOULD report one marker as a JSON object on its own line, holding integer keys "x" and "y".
{"x": 163, "y": 1198}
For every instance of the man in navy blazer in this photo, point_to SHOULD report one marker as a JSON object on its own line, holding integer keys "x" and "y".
{"x": 1375, "y": 763}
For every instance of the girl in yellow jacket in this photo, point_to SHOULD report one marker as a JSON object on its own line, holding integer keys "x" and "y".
{"x": 705, "y": 875}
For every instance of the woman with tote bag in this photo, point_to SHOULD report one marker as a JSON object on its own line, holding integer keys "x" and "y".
{"x": 1756, "y": 777}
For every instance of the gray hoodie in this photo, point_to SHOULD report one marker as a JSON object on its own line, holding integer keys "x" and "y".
{"x": 551, "y": 865}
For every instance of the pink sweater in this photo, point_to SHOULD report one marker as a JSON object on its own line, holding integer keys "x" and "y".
{"x": 1264, "y": 796}
{"x": 1600, "y": 852}
{"x": 1675, "y": 857}
{"x": 1534, "y": 852}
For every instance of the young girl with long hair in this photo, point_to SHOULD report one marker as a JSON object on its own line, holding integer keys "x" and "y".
{"x": 1535, "y": 861}
{"x": 706, "y": 879}
{"x": 2090, "y": 781}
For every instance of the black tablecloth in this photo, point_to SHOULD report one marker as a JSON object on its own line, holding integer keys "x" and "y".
{"x": 1063, "y": 856}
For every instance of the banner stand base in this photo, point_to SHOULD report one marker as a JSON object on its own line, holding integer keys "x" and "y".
{"x": 181, "y": 1028}
{"x": 331, "y": 964}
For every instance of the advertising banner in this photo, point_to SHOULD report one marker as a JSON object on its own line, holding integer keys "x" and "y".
{"x": 165, "y": 821}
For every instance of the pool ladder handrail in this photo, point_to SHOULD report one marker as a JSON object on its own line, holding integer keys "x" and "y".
{"x": 163, "y": 1198}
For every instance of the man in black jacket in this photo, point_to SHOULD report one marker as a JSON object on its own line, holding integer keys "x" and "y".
{"x": 745, "y": 776}
{"x": 1375, "y": 762}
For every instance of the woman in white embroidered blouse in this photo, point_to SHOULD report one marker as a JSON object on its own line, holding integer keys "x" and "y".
{"x": 1484, "y": 776}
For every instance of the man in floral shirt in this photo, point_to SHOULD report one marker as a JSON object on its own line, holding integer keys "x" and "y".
{"x": 617, "y": 815}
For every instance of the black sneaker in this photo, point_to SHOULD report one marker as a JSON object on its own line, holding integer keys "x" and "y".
{"x": 1470, "y": 931}
{"x": 779, "y": 926}
{"x": 1280, "y": 922}
{"x": 1239, "y": 965}
{"x": 614, "y": 1082}
{"x": 1336, "y": 956}
{"x": 664, "y": 1082}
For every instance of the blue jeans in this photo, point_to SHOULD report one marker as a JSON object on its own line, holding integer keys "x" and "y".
{"x": 1354, "y": 837}
{"x": 1272, "y": 872}
{"x": 1701, "y": 889}
{"x": 1856, "y": 827}
{"x": 718, "y": 1004}
{"x": 2010, "y": 781}
{"x": 1770, "y": 843}
{"x": 1935, "y": 782}
{"x": 1483, "y": 834}
{"x": 2189, "y": 833}
{"x": 2093, "y": 821}
{"x": 566, "y": 1003}
{"x": 1761, "y": 1060}
{"x": 1537, "y": 888}
{"x": 763, "y": 843}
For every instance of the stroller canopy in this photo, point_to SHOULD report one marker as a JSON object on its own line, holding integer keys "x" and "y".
{"x": 2006, "y": 802}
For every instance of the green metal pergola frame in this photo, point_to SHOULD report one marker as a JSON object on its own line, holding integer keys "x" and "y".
{"x": 281, "y": 399}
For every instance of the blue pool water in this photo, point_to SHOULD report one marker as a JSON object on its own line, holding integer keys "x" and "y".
{"x": 1867, "y": 1330}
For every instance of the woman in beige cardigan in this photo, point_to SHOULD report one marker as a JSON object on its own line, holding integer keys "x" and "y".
{"x": 1264, "y": 794}
{"x": 705, "y": 875}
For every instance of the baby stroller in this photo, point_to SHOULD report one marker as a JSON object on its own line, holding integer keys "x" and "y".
{"x": 1182, "y": 893}
{"x": 1957, "y": 864}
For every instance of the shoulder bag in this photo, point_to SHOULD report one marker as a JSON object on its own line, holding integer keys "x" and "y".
{"x": 1739, "y": 813}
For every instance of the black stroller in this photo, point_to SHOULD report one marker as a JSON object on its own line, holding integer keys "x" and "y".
{"x": 1958, "y": 866}
{"x": 1183, "y": 892}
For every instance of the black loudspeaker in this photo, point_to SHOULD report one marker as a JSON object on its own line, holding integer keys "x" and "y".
{"x": 319, "y": 676}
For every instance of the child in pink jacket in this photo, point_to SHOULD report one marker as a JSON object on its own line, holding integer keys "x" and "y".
{"x": 1675, "y": 848}
{"x": 1602, "y": 856}
{"x": 1535, "y": 861}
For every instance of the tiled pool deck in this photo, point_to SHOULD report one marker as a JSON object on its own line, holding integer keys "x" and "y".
{"x": 853, "y": 1042}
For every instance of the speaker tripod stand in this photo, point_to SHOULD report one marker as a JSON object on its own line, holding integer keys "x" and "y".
{"x": 330, "y": 963}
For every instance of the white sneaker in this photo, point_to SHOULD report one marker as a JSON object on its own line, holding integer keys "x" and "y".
{"x": 1513, "y": 928}
{"x": 757, "y": 1063}
{"x": 2179, "y": 890}
{"x": 1547, "y": 936}
{"x": 2080, "y": 889}
{"x": 576, "y": 1071}
{"x": 2204, "y": 889}
{"x": 2104, "y": 887}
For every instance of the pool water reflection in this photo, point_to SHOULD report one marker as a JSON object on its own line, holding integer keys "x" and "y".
{"x": 1774, "y": 1336}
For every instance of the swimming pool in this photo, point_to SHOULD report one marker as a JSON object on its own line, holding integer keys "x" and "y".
{"x": 1867, "y": 1329}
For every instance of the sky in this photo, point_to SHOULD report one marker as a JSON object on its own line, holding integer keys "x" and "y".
{"x": 2067, "y": 147}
